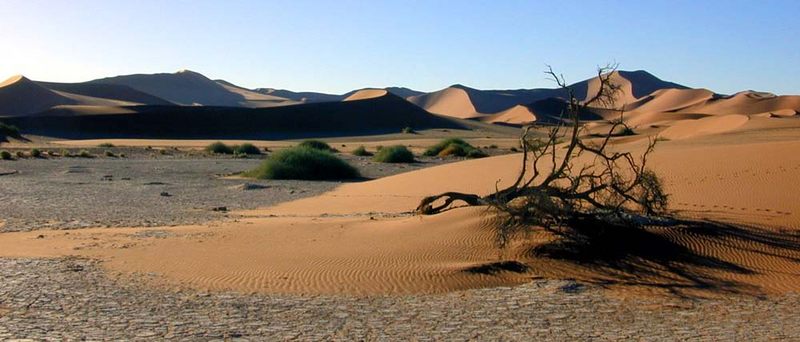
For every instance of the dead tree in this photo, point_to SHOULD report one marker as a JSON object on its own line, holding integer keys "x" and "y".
{"x": 552, "y": 189}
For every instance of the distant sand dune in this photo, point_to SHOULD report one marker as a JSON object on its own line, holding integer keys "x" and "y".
{"x": 366, "y": 94}
{"x": 21, "y": 96}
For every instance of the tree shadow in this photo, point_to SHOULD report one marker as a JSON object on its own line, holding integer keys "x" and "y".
{"x": 659, "y": 256}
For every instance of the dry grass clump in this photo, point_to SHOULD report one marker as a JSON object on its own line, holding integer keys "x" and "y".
{"x": 394, "y": 154}
{"x": 304, "y": 163}
{"x": 454, "y": 147}
{"x": 361, "y": 151}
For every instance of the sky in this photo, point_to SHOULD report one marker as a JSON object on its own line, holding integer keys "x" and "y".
{"x": 337, "y": 46}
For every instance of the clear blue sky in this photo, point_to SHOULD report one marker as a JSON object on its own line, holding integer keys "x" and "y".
{"x": 336, "y": 46}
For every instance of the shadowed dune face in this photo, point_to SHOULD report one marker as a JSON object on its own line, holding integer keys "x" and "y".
{"x": 107, "y": 91}
{"x": 184, "y": 87}
{"x": 21, "y": 96}
{"x": 378, "y": 115}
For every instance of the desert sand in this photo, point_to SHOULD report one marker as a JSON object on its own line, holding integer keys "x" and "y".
{"x": 361, "y": 239}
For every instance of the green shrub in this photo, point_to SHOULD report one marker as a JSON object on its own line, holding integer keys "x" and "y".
{"x": 122, "y": 155}
{"x": 361, "y": 151}
{"x": 408, "y": 130}
{"x": 492, "y": 146}
{"x": 453, "y": 150}
{"x": 514, "y": 149}
{"x": 303, "y": 163}
{"x": 106, "y": 145}
{"x": 394, "y": 154}
{"x": 20, "y": 154}
{"x": 246, "y": 148}
{"x": 219, "y": 148}
{"x": 316, "y": 144}
{"x": 36, "y": 153}
{"x": 458, "y": 147}
{"x": 5, "y": 155}
{"x": 476, "y": 153}
{"x": 9, "y": 130}
{"x": 85, "y": 154}
{"x": 110, "y": 154}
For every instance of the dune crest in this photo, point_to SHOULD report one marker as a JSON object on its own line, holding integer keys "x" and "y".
{"x": 366, "y": 94}
{"x": 21, "y": 96}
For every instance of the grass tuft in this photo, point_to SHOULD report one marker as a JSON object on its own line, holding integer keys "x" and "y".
{"x": 219, "y": 148}
{"x": 303, "y": 163}
{"x": 361, "y": 151}
{"x": 394, "y": 154}
{"x": 246, "y": 148}
{"x": 316, "y": 144}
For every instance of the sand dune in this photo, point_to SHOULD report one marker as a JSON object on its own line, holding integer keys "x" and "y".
{"x": 633, "y": 85}
{"x": 746, "y": 103}
{"x": 254, "y": 99}
{"x": 517, "y": 115}
{"x": 106, "y": 91}
{"x": 377, "y": 115}
{"x": 704, "y": 126}
{"x": 451, "y": 101}
{"x": 366, "y": 94}
{"x": 668, "y": 100}
{"x": 21, "y": 96}
{"x": 303, "y": 96}
{"x": 184, "y": 87}
{"x": 464, "y": 102}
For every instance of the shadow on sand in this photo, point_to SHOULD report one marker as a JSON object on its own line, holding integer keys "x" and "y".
{"x": 683, "y": 257}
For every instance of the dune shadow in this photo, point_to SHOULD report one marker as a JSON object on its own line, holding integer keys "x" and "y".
{"x": 660, "y": 256}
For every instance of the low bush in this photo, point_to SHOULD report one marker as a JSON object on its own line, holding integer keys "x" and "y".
{"x": 246, "y": 148}
{"x": 476, "y": 153}
{"x": 9, "y": 130}
{"x": 450, "y": 147}
{"x": 106, "y": 145}
{"x": 453, "y": 150}
{"x": 408, "y": 130}
{"x": 85, "y": 154}
{"x": 5, "y": 155}
{"x": 110, "y": 154}
{"x": 36, "y": 153}
{"x": 219, "y": 148}
{"x": 20, "y": 154}
{"x": 394, "y": 154}
{"x": 303, "y": 163}
{"x": 316, "y": 144}
{"x": 361, "y": 151}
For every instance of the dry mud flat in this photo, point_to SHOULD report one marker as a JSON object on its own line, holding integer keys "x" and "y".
{"x": 68, "y": 193}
